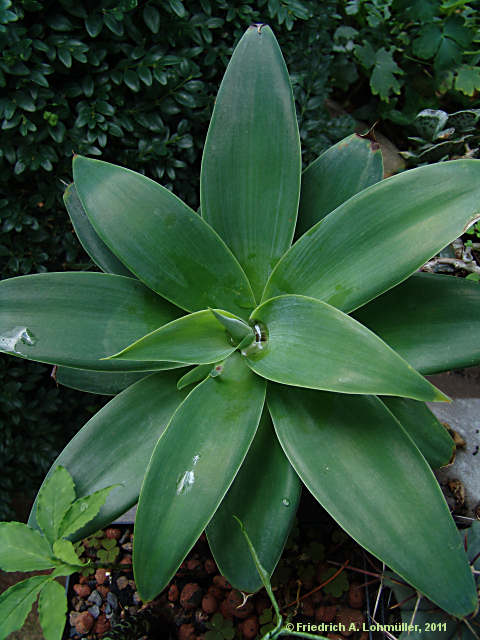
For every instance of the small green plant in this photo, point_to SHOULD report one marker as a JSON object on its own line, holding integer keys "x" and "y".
{"x": 60, "y": 515}
{"x": 219, "y": 628}
{"x": 260, "y": 364}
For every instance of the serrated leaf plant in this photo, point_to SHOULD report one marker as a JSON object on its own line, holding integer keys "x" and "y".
{"x": 22, "y": 548}
{"x": 250, "y": 364}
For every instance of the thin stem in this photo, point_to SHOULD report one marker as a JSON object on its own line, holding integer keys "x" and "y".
{"x": 337, "y": 573}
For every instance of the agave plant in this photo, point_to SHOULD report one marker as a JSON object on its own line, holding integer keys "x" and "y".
{"x": 249, "y": 364}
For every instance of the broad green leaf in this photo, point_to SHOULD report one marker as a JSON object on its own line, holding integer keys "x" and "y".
{"x": 197, "y": 338}
{"x": 107, "y": 383}
{"x": 197, "y": 374}
{"x": 311, "y": 344}
{"x": 347, "y": 259}
{"x": 161, "y": 240}
{"x": 52, "y": 610}
{"x": 62, "y": 570}
{"x": 366, "y": 472}
{"x": 77, "y": 318}
{"x": 23, "y": 548}
{"x": 16, "y": 602}
{"x": 54, "y": 498}
{"x": 250, "y": 179}
{"x": 264, "y": 496}
{"x": 430, "y": 436}
{"x": 426, "y": 44}
{"x": 238, "y": 329}
{"x": 101, "y": 452}
{"x": 64, "y": 551}
{"x": 432, "y": 321}
{"x": 339, "y": 173}
{"x": 383, "y": 80}
{"x": 467, "y": 79}
{"x": 210, "y": 434}
{"x": 80, "y": 513}
{"x": 93, "y": 245}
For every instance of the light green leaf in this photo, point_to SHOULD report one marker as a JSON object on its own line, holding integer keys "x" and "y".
{"x": 82, "y": 511}
{"x": 52, "y": 610}
{"x": 347, "y": 259}
{"x": 64, "y": 551}
{"x": 16, "y": 602}
{"x": 238, "y": 329}
{"x": 101, "y": 452}
{"x": 23, "y": 548}
{"x": 311, "y": 344}
{"x": 250, "y": 179}
{"x": 430, "y": 436}
{"x": 197, "y": 338}
{"x": 161, "y": 240}
{"x": 467, "y": 79}
{"x": 210, "y": 434}
{"x": 264, "y": 496}
{"x": 432, "y": 321}
{"x": 107, "y": 383}
{"x": 383, "y": 80}
{"x": 54, "y": 498}
{"x": 197, "y": 374}
{"x": 336, "y": 441}
{"x": 340, "y": 172}
{"x": 76, "y": 318}
{"x": 93, "y": 245}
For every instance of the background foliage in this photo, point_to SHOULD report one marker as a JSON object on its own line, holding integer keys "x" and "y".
{"x": 134, "y": 82}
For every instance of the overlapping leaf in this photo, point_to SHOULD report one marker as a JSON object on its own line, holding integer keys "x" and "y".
{"x": 107, "y": 383}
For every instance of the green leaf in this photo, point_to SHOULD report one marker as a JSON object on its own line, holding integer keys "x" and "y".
{"x": 16, "y": 602}
{"x": 251, "y": 164}
{"x": 426, "y": 45}
{"x": 336, "y": 441}
{"x": 383, "y": 80}
{"x": 197, "y": 374}
{"x": 467, "y": 79}
{"x": 238, "y": 329}
{"x": 430, "y": 436}
{"x": 77, "y": 318}
{"x": 101, "y": 452}
{"x": 96, "y": 248}
{"x": 197, "y": 338}
{"x": 343, "y": 170}
{"x": 23, "y": 548}
{"x": 81, "y": 511}
{"x": 64, "y": 551}
{"x": 94, "y": 24}
{"x": 52, "y": 610}
{"x": 166, "y": 244}
{"x": 151, "y": 17}
{"x": 102, "y": 382}
{"x": 54, "y": 498}
{"x": 210, "y": 433}
{"x": 346, "y": 259}
{"x": 433, "y": 321}
{"x": 264, "y": 496}
{"x": 311, "y": 344}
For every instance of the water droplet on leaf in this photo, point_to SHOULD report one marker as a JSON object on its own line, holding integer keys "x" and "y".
{"x": 286, "y": 502}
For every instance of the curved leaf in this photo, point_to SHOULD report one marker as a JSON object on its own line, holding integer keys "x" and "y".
{"x": 311, "y": 344}
{"x": 75, "y": 319}
{"x": 250, "y": 179}
{"x": 114, "y": 447}
{"x": 16, "y": 602}
{"x": 54, "y": 498}
{"x": 161, "y": 240}
{"x": 348, "y": 258}
{"x": 264, "y": 496}
{"x": 65, "y": 551}
{"x": 107, "y": 383}
{"x": 23, "y": 548}
{"x": 193, "y": 464}
{"x": 430, "y": 436}
{"x": 197, "y": 338}
{"x": 52, "y": 610}
{"x": 432, "y": 321}
{"x": 93, "y": 245}
{"x": 366, "y": 472}
{"x": 79, "y": 514}
{"x": 197, "y": 374}
{"x": 351, "y": 165}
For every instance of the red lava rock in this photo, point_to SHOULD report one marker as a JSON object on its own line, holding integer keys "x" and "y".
{"x": 191, "y": 596}
{"x": 307, "y": 608}
{"x": 193, "y": 564}
{"x": 173, "y": 593}
{"x": 226, "y": 611}
{"x": 209, "y": 603}
{"x": 317, "y": 597}
{"x": 348, "y": 617}
{"x": 103, "y": 590}
{"x": 221, "y": 582}
{"x": 210, "y": 566}
{"x": 126, "y": 560}
{"x": 82, "y": 590}
{"x": 100, "y": 576}
{"x": 186, "y": 632}
{"x": 249, "y": 627}
{"x": 101, "y": 624}
{"x": 334, "y": 636}
{"x": 356, "y": 595}
{"x": 364, "y": 636}
{"x": 217, "y": 593}
{"x": 113, "y": 534}
{"x": 83, "y": 579}
{"x": 325, "y": 613}
{"x": 84, "y": 622}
